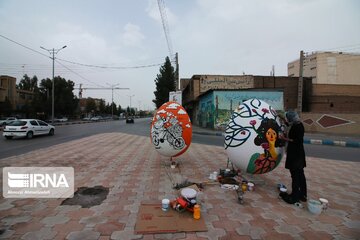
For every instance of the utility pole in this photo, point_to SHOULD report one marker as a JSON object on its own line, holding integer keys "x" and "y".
{"x": 130, "y": 100}
{"x": 300, "y": 84}
{"x": 112, "y": 87}
{"x": 177, "y": 72}
{"x": 53, "y": 52}
{"x": 112, "y": 99}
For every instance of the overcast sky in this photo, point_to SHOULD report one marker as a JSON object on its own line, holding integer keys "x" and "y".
{"x": 210, "y": 36}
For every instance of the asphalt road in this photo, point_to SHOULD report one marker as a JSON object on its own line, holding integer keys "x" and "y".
{"x": 141, "y": 127}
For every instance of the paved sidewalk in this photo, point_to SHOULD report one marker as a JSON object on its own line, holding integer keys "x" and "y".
{"x": 310, "y": 138}
{"x": 135, "y": 172}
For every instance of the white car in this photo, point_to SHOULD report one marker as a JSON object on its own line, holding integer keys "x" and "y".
{"x": 96, "y": 118}
{"x": 63, "y": 119}
{"x": 3, "y": 122}
{"x": 27, "y": 128}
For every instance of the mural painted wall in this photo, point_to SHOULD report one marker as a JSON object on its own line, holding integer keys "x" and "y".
{"x": 216, "y": 107}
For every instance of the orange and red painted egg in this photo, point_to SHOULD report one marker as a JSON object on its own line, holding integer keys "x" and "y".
{"x": 171, "y": 130}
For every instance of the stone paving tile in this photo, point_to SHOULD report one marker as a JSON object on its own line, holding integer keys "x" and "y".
{"x": 51, "y": 221}
{"x": 127, "y": 233}
{"x": 106, "y": 229}
{"x": 133, "y": 171}
{"x": 93, "y": 220}
{"x": 6, "y": 205}
{"x": 249, "y": 230}
{"x": 234, "y": 236}
{"x": 24, "y": 227}
{"x": 80, "y": 213}
{"x": 11, "y": 220}
{"x": 86, "y": 234}
{"x": 43, "y": 233}
{"x": 64, "y": 229}
{"x": 9, "y": 234}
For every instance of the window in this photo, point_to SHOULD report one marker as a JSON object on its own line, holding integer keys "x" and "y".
{"x": 17, "y": 123}
{"x": 42, "y": 123}
{"x": 34, "y": 123}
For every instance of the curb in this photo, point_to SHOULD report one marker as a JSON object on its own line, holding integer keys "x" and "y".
{"x": 332, "y": 143}
{"x": 209, "y": 133}
{"x": 306, "y": 140}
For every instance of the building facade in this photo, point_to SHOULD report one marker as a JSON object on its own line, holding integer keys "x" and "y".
{"x": 196, "y": 89}
{"x": 336, "y": 81}
{"x": 8, "y": 90}
{"x": 329, "y": 68}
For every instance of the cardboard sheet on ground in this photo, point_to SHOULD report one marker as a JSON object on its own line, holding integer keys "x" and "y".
{"x": 151, "y": 219}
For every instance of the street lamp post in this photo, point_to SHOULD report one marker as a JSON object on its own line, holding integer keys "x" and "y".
{"x": 130, "y": 100}
{"x": 112, "y": 99}
{"x": 53, "y": 52}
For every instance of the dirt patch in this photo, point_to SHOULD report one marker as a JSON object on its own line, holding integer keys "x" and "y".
{"x": 88, "y": 197}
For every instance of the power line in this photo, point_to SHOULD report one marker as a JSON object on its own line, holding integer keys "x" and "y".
{"x": 107, "y": 67}
{"x": 165, "y": 24}
{"x": 78, "y": 74}
{"x": 31, "y": 49}
{"x": 82, "y": 64}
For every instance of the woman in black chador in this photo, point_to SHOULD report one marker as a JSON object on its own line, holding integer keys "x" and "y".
{"x": 295, "y": 159}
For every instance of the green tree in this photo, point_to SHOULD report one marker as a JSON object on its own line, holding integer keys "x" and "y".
{"x": 113, "y": 108}
{"x": 5, "y": 107}
{"x": 102, "y": 107}
{"x": 165, "y": 83}
{"x": 90, "y": 105}
{"x": 27, "y": 83}
{"x": 119, "y": 110}
{"x": 65, "y": 102}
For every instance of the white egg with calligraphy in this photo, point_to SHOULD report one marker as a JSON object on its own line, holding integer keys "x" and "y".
{"x": 252, "y": 137}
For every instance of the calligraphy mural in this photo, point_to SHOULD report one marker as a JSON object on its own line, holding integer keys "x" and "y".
{"x": 225, "y": 82}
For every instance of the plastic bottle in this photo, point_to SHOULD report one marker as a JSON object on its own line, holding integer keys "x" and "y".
{"x": 197, "y": 211}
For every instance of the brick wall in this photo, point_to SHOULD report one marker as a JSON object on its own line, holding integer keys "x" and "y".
{"x": 335, "y": 104}
{"x": 339, "y": 89}
{"x": 350, "y": 123}
{"x": 290, "y": 88}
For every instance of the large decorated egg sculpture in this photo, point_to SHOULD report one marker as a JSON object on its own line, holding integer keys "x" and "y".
{"x": 252, "y": 137}
{"x": 171, "y": 130}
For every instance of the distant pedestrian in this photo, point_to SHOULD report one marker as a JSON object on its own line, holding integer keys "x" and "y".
{"x": 295, "y": 158}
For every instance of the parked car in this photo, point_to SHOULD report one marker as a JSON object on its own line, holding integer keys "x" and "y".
{"x": 96, "y": 118}
{"x": 27, "y": 128}
{"x": 6, "y": 121}
{"x": 62, "y": 119}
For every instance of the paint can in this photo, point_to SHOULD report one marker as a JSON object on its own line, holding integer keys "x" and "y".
{"x": 251, "y": 186}
{"x": 165, "y": 204}
{"x": 324, "y": 203}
